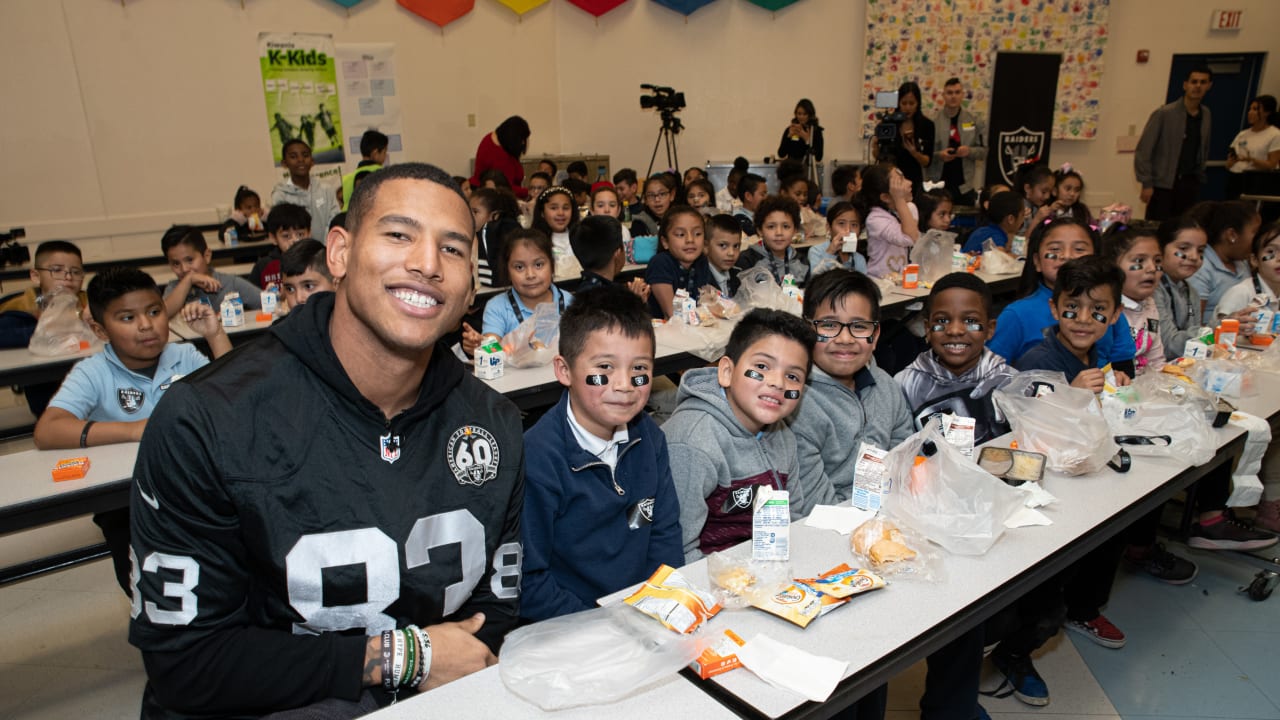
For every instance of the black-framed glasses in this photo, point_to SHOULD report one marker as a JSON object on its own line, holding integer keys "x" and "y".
{"x": 656, "y": 195}
{"x": 66, "y": 272}
{"x": 859, "y": 329}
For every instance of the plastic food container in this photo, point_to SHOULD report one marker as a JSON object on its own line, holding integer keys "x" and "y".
{"x": 1013, "y": 466}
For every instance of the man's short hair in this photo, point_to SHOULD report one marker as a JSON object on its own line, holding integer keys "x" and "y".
{"x": 951, "y": 81}
{"x": 595, "y": 240}
{"x": 362, "y": 199}
{"x": 287, "y": 216}
{"x": 626, "y": 175}
{"x": 1202, "y": 69}
{"x": 1077, "y": 277}
{"x": 186, "y": 235}
{"x": 963, "y": 281}
{"x": 49, "y": 247}
{"x": 1002, "y": 205}
{"x": 304, "y": 255}
{"x": 372, "y": 141}
{"x": 833, "y": 286}
{"x": 607, "y": 307}
{"x": 762, "y": 323}
{"x": 115, "y": 282}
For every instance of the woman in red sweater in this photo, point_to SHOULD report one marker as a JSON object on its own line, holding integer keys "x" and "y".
{"x": 501, "y": 149}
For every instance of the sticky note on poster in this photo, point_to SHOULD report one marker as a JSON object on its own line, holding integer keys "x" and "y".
{"x": 371, "y": 106}
{"x": 382, "y": 87}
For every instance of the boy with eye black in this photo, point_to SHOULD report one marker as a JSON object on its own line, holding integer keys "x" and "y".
{"x": 958, "y": 373}
{"x": 728, "y": 435}
{"x": 600, "y": 510}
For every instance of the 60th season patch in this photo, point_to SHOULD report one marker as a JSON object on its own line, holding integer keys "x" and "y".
{"x": 473, "y": 455}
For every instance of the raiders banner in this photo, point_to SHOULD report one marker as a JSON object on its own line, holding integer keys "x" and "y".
{"x": 1022, "y": 103}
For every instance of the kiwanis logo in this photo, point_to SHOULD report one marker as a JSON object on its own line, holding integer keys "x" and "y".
{"x": 473, "y": 455}
{"x": 1016, "y": 148}
{"x": 130, "y": 399}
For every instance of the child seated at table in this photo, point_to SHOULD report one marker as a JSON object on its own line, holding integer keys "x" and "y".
{"x": 727, "y": 436}
{"x": 497, "y": 215}
{"x": 1263, "y": 284}
{"x": 776, "y": 219}
{"x": 1006, "y": 211}
{"x": 188, "y": 255}
{"x": 1182, "y": 244}
{"x": 1231, "y": 227}
{"x": 246, "y": 217}
{"x": 530, "y": 267}
{"x": 958, "y": 373}
{"x": 1035, "y": 184}
{"x": 286, "y": 225}
{"x": 724, "y": 246}
{"x": 892, "y": 224}
{"x": 597, "y": 244}
{"x": 318, "y": 198}
{"x": 1021, "y": 326}
{"x": 600, "y": 510}
{"x": 107, "y": 398}
{"x": 680, "y": 265}
{"x": 304, "y": 271}
{"x": 1136, "y": 253}
{"x": 752, "y": 190}
{"x": 58, "y": 267}
{"x": 935, "y": 207}
{"x": 844, "y": 222}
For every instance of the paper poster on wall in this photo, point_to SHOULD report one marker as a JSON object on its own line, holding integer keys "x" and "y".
{"x": 370, "y": 99}
{"x": 300, "y": 83}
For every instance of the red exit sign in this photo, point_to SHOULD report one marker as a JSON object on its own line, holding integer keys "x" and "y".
{"x": 1226, "y": 19}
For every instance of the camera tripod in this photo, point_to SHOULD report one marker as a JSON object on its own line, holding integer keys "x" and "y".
{"x": 671, "y": 126}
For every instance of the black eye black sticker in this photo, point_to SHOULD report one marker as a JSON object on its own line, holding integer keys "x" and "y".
{"x": 597, "y": 380}
{"x": 754, "y": 375}
{"x": 639, "y": 380}
{"x": 791, "y": 394}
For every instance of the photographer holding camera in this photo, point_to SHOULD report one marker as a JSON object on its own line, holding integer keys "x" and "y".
{"x": 912, "y": 148}
{"x": 802, "y": 139}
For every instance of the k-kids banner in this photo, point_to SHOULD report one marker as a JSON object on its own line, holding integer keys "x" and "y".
{"x": 300, "y": 82}
{"x": 1022, "y": 106}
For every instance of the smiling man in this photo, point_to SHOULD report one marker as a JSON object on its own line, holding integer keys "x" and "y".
{"x": 362, "y": 543}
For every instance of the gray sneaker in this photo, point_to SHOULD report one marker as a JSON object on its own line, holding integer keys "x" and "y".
{"x": 1229, "y": 534}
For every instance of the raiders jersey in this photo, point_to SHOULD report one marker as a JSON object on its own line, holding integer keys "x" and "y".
{"x": 265, "y": 551}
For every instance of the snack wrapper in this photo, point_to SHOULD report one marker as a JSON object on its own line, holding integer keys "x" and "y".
{"x": 70, "y": 469}
{"x": 668, "y": 597}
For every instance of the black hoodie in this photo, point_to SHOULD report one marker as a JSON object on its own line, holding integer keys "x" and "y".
{"x": 279, "y": 518}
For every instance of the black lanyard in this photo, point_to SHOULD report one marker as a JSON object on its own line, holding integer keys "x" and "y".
{"x": 515, "y": 307}
{"x": 1257, "y": 286}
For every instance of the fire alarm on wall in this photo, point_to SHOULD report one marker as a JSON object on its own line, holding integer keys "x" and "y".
{"x": 1144, "y": 55}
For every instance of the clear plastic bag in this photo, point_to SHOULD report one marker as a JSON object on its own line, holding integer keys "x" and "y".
{"x": 1166, "y": 387}
{"x": 737, "y": 579}
{"x": 1223, "y": 376}
{"x": 933, "y": 254}
{"x": 1064, "y": 423}
{"x": 947, "y": 497}
{"x": 893, "y": 551}
{"x": 998, "y": 262}
{"x": 595, "y": 656}
{"x": 535, "y": 341}
{"x": 60, "y": 331}
{"x": 757, "y": 289}
{"x": 1154, "y": 424}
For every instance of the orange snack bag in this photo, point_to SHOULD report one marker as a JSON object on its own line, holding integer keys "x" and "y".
{"x": 670, "y": 599}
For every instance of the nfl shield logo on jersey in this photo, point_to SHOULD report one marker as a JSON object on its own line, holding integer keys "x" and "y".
{"x": 472, "y": 453}
{"x": 1016, "y": 148}
{"x": 390, "y": 447}
{"x": 130, "y": 399}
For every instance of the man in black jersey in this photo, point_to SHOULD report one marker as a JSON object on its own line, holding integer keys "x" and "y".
{"x": 301, "y": 503}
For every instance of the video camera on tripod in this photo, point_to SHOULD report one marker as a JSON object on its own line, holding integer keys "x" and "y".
{"x": 667, "y": 102}
{"x": 887, "y": 135}
{"x": 12, "y": 251}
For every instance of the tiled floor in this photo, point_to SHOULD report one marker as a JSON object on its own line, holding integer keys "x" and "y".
{"x": 1198, "y": 651}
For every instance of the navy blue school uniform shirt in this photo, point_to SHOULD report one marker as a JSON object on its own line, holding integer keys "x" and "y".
{"x": 993, "y": 232}
{"x": 592, "y": 280}
{"x": 1051, "y": 354}
{"x": 665, "y": 269}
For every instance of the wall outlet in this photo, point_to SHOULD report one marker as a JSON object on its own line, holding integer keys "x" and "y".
{"x": 471, "y": 119}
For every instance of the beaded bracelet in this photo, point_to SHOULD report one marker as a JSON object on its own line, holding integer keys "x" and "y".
{"x": 424, "y": 656}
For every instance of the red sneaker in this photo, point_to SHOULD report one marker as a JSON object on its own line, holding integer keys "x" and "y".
{"x": 1099, "y": 630}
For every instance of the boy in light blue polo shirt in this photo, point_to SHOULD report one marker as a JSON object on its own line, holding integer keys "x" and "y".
{"x": 107, "y": 398}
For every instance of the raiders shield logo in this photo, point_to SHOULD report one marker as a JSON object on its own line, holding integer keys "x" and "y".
{"x": 390, "y": 445}
{"x": 130, "y": 399}
{"x": 640, "y": 514}
{"x": 1015, "y": 148}
{"x": 473, "y": 455}
{"x": 739, "y": 499}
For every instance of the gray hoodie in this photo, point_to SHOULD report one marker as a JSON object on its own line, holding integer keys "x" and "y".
{"x": 832, "y": 423}
{"x": 717, "y": 464}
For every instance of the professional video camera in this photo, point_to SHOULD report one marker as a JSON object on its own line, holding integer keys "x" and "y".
{"x": 12, "y": 251}
{"x": 888, "y": 139}
{"x": 664, "y": 99}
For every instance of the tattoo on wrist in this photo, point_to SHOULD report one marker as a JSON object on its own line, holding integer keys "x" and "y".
{"x": 372, "y": 665}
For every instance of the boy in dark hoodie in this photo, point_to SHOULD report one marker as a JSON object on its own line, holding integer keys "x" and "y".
{"x": 727, "y": 436}
{"x": 957, "y": 374}
{"x": 600, "y": 511}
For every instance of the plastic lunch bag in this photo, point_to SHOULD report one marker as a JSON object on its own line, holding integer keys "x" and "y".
{"x": 933, "y": 254}
{"x": 594, "y": 656}
{"x": 1149, "y": 424}
{"x": 1064, "y": 423}
{"x": 758, "y": 289}
{"x": 535, "y": 341}
{"x": 997, "y": 261}
{"x": 947, "y": 497}
{"x": 60, "y": 330}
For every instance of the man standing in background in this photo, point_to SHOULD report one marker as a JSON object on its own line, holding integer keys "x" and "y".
{"x": 959, "y": 139}
{"x": 1174, "y": 148}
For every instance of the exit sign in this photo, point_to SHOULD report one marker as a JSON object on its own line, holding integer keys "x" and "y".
{"x": 1226, "y": 19}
